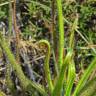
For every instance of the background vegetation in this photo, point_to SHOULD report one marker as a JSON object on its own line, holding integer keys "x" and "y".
{"x": 47, "y": 47}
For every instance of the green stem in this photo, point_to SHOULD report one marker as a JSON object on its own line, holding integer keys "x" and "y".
{"x": 54, "y": 37}
{"x": 9, "y": 82}
{"x": 46, "y": 64}
{"x": 60, "y": 80}
{"x": 8, "y": 69}
{"x": 61, "y": 34}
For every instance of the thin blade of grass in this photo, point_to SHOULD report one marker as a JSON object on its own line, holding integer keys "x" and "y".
{"x": 85, "y": 77}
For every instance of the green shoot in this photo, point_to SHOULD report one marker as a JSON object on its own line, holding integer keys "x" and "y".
{"x": 46, "y": 64}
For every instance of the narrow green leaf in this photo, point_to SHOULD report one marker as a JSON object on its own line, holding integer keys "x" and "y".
{"x": 85, "y": 77}
{"x": 61, "y": 34}
{"x": 60, "y": 79}
{"x": 71, "y": 77}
